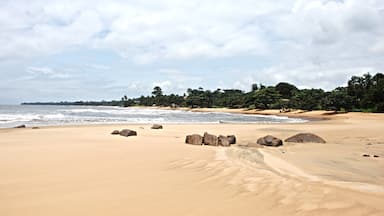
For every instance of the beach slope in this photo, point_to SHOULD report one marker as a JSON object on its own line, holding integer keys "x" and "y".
{"x": 84, "y": 170}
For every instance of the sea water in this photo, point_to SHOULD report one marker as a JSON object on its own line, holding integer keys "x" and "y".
{"x": 48, "y": 115}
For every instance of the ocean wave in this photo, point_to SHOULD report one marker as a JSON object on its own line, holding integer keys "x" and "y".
{"x": 28, "y": 117}
{"x": 52, "y": 116}
{"x": 120, "y": 111}
{"x": 66, "y": 115}
{"x": 17, "y": 117}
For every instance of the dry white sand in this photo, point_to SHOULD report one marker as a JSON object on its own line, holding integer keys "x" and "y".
{"x": 83, "y": 170}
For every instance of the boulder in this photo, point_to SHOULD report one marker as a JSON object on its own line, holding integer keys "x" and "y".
{"x": 157, "y": 126}
{"x": 305, "y": 137}
{"x": 194, "y": 139}
{"x": 115, "y": 132}
{"x": 270, "y": 141}
{"x": 223, "y": 141}
{"x": 127, "y": 132}
{"x": 231, "y": 139}
{"x": 20, "y": 126}
{"x": 210, "y": 139}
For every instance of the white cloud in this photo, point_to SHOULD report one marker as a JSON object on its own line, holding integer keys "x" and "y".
{"x": 98, "y": 66}
{"x": 317, "y": 43}
{"x": 179, "y": 76}
{"x": 305, "y": 76}
{"x": 45, "y": 72}
{"x": 148, "y": 31}
{"x": 40, "y": 70}
{"x": 164, "y": 85}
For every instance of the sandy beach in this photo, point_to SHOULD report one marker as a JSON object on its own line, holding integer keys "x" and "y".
{"x": 84, "y": 170}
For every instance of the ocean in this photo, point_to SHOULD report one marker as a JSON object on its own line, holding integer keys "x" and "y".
{"x": 49, "y": 115}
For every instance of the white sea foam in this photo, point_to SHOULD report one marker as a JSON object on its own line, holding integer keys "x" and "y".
{"x": 52, "y": 116}
{"x": 17, "y": 117}
{"x": 28, "y": 117}
{"x": 59, "y": 115}
{"x": 121, "y": 111}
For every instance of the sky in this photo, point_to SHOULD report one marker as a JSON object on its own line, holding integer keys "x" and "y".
{"x": 55, "y": 50}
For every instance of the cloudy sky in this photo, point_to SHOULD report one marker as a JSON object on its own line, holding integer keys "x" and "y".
{"x": 91, "y": 50}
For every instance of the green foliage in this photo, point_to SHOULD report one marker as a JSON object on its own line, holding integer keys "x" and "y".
{"x": 286, "y": 90}
{"x": 367, "y": 92}
{"x": 157, "y": 92}
{"x": 338, "y": 100}
{"x": 307, "y": 99}
{"x": 266, "y": 98}
{"x": 254, "y": 87}
{"x": 363, "y": 93}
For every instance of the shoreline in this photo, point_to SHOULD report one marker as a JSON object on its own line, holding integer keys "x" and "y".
{"x": 307, "y": 116}
{"x": 310, "y": 115}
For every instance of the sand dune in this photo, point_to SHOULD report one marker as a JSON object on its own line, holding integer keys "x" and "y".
{"x": 83, "y": 170}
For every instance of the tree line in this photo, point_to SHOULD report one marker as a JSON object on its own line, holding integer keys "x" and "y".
{"x": 363, "y": 93}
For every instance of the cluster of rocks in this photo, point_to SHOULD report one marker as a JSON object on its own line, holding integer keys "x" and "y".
{"x": 210, "y": 139}
{"x": 368, "y": 155}
{"x": 24, "y": 126}
{"x": 128, "y": 132}
{"x": 124, "y": 132}
{"x": 298, "y": 138}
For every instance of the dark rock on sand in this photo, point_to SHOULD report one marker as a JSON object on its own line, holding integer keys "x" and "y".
{"x": 35, "y": 128}
{"x": 231, "y": 139}
{"x": 194, "y": 139}
{"x": 20, "y": 126}
{"x": 223, "y": 141}
{"x": 305, "y": 137}
{"x": 157, "y": 126}
{"x": 366, "y": 155}
{"x": 376, "y": 156}
{"x": 115, "y": 132}
{"x": 127, "y": 132}
{"x": 270, "y": 141}
{"x": 210, "y": 139}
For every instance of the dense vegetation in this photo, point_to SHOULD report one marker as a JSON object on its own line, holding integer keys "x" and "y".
{"x": 363, "y": 93}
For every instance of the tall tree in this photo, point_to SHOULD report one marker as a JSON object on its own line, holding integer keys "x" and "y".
{"x": 255, "y": 87}
{"x": 266, "y": 97}
{"x": 338, "y": 99}
{"x": 308, "y": 99}
{"x": 286, "y": 90}
{"x": 157, "y": 92}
